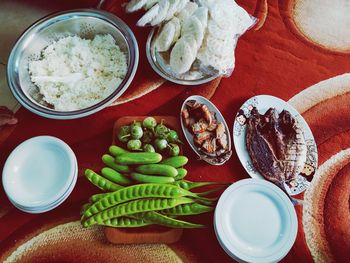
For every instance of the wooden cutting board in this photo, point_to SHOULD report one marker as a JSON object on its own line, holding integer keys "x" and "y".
{"x": 149, "y": 234}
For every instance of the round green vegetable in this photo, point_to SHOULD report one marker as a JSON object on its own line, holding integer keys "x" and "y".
{"x": 157, "y": 169}
{"x": 109, "y": 161}
{"x": 136, "y": 132}
{"x": 124, "y": 134}
{"x": 149, "y": 122}
{"x": 148, "y": 148}
{"x": 147, "y": 136}
{"x": 137, "y": 206}
{"x": 135, "y": 123}
{"x": 114, "y": 176}
{"x": 134, "y": 145}
{"x": 161, "y": 131}
{"x": 138, "y": 158}
{"x": 100, "y": 182}
{"x": 160, "y": 144}
{"x": 174, "y": 149}
{"x": 176, "y": 161}
{"x": 173, "y": 137}
{"x": 143, "y": 178}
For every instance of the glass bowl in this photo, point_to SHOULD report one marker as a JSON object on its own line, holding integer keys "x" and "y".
{"x": 85, "y": 23}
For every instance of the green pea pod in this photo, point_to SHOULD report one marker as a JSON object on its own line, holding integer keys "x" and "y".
{"x": 176, "y": 161}
{"x": 125, "y": 222}
{"x": 163, "y": 220}
{"x": 84, "y": 208}
{"x": 100, "y": 182}
{"x": 157, "y": 169}
{"x": 96, "y": 197}
{"x": 134, "y": 192}
{"x": 116, "y": 150}
{"x": 188, "y": 185}
{"x": 109, "y": 161}
{"x": 181, "y": 173}
{"x": 133, "y": 207}
{"x": 135, "y": 158}
{"x": 114, "y": 176}
{"x": 187, "y": 209}
{"x": 143, "y": 178}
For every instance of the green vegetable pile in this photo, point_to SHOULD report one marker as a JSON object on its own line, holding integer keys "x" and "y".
{"x": 141, "y": 189}
{"x": 150, "y": 136}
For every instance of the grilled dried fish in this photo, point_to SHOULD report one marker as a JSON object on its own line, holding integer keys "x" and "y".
{"x": 276, "y": 145}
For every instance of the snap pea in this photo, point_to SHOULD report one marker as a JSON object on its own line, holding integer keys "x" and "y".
{"x": 136, "y": 206}
{"x": 163, "y": 220}
{"x": 187, "y": 209}
{"x": 100, "y": 182}
{"x": 176, "y": 161}
{"x": 109, "y": 161}
{"x": 115, "y": 177}
{"x": 84, "y": 208}
{"x": 116, "y": 150}
{"x": 142, "y": 178}
{"x": 125, "y": 222}
{"x": 96, "y": 197}
{"x": 210, "y": 191}
{"x": 136, "y": 192}
{"x": 188, "y": 185}
{"x": 138, "y": 158}
{"x": 181, "y": 173}
{"x": 157, "y": 169}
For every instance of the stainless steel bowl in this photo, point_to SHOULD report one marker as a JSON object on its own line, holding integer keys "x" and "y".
{"x": 159, "y": 63}
{"x": 85, "y": 23}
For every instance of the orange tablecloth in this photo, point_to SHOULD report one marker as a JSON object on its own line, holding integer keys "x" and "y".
{"x": 275, "y": 60}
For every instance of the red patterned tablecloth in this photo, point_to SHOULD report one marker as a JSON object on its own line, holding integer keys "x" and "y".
{"x": 280, "y": 59}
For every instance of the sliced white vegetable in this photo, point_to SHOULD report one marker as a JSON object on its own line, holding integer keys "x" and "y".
{"x": 165, "y": 37}
{"x": 135, "y": 5}
{"x": 187, "y": 11}
{"x": 192, "y": 26}
{"x": 181, "y": 57}
{"x": 172, "y": 9}
{"x": 150, "y": 3}
{"x": 202, "y": 14}
{"x": 177, "y": 24}
{"x": 148, "y": 16}
{"x": 162, "y": 12}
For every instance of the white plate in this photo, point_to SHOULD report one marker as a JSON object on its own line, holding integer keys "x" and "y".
{"x": 189, "y": 136}
{"x": 42, "y": 209}
{"x": 255, "y": 221}
{"x": 263, "y": 103}
{"x": 39, "y": 171}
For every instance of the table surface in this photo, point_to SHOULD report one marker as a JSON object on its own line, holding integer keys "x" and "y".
{"x": 281, "y": 58}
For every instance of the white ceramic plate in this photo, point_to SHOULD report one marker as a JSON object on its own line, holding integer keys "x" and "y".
{"x": 189, "y": 136}
{"x": 255, "y": 221}
{"x": 263, "y": 103}
{"x": 42, "y": 209}
{"x": 39, "y": 171}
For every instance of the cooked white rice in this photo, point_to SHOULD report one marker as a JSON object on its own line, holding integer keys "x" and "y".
{"x": 75, "y": 73}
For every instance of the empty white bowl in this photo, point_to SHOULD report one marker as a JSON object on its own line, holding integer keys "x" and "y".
{"x": 255, "y": 222}
{"x": 39, "y": 174}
